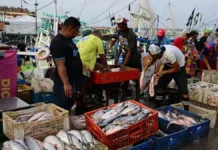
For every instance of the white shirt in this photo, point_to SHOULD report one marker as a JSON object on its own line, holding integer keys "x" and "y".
{"x": 171, "y": 55}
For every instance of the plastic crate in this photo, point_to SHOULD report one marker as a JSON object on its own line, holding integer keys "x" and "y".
{"x": 113, "y": 77}
{"x": 177, "y": 136}
{"x": 146, "y": 145}
{"x": 196, "y": 131}
{"x": 206, "y": 106}
{"x": 45, "y": 97}
{"x": 204, "y": 113}
{"x": 25, "y": 93}
{"x": 38, "y": 129}
{"x": 125, "y": 137}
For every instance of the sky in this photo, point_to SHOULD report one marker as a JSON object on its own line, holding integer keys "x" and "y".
{"x": 181, "y": 9}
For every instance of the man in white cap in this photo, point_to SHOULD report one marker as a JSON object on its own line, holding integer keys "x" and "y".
{"x": 128, "y": 48}
{"x": 174, "y": 68}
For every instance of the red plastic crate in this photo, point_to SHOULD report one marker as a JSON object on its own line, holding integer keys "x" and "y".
{"x": 113, "y": 77}
{"x": 125, "y": 137}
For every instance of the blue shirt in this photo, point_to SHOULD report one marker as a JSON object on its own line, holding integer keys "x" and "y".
{"x": 209, "y": 52}
{"x": 164, "y": 41}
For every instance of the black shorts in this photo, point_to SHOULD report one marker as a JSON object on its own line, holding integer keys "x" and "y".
{"x": 179, "y": 77}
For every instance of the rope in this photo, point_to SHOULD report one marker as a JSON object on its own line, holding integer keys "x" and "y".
{"x": 104, "y": 11}
{"x": 45, "y": 6}
{"x": 82, "y": 8}
{"x": 114, "y": 13}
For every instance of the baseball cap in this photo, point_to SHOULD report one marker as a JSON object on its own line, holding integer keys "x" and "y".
{"x": 208, "y": 31}
{"x": 161, "y": 32}
{"x": 154, "y": 49}
{"x": 121, "y": 20}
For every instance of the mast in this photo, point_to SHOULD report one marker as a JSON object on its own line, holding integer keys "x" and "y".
{"x": 170, "y": 18}
{"x": 55, "y": 18}
{"x": 36, "y": 4}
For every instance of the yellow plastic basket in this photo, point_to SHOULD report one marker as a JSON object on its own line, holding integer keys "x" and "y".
{"x": 38, "y": 129}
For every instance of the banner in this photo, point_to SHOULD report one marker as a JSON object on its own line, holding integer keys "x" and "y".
{"x": 8, "y": 73}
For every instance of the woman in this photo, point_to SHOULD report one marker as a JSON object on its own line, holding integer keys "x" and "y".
{"x": 181, "y": 41}
{"x": 208, "y": 57}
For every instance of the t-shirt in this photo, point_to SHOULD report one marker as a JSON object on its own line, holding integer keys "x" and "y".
{"x": 179, "y": 42}
{"x": 127, "y": 40}
{"x": 202, "y": 42}
{"x": 212, "y": 38}
{"x": 171, "y": 55}
{"x": 164, "y": 41}
{"x": 209, "y": 51}
{"x": 64, "y": 49}
{"x": 89, "y": 48}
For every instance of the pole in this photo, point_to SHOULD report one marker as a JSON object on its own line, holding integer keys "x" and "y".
{"x": 55, "y": 17}
{"x": 21, "y": 3}
{"x": 36, "y": 4}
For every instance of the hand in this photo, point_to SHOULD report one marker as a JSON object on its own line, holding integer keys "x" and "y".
{"x": 68, "y": 90}
{"x": 159, "y": 74}
{"x": 116, "y": 61}
{"x": 209, "y": 69}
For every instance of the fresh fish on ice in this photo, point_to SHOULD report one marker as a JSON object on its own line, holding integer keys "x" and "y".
{"x": 63, "y": 136}
{"x": 77, "y": 134}
{"x": 36, "y": 116}
{"x": 33, "y": 144}
{"x": 48, "y": 146}
{"x": 74, "y": 141}
{"x": 23, "y": 118}
{"x": 17, "y": 146}
{"x": 59, "y": 145}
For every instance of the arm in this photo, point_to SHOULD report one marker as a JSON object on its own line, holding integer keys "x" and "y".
{"x": 102, "y": 55}
{"x": 63, "y": 75}
{"x": 207, "y": 62}
{"x": 128, "y": 55}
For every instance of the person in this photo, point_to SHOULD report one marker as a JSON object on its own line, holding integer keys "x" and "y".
{"x": 161, "y": 38}
{"x": 174, "y": 68}
{"x": 203, "y": 39}
{"x": 114, "y": 45}
{"x": 208, "y": 57}
{"x": 68, "y": 79}
{"x": 191, "y": 54}
{"x": 22, "y": 47}
{"x": 128, "y": 48}
{"x": 181, "y": 41}
{"x": 89, "y": 48}
{"x": 213, "y": 38}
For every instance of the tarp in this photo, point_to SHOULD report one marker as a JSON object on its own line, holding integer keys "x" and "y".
{"x": 8, "y": 73}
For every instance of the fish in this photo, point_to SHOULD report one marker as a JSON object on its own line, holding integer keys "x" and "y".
{"x": 59, "y": 145}
{"x": 179, "y": 122}
{"x": 124, "y": 120}
{"x": 67, "y": 147}
{"x": 74, "y": 141}
{"x": 168, "y": 116}
{"x": 17, "y": 146}
{"x": 160, "y": 134}
{"x": 63, "y": 136}
{"x": 109, "y": 120}
{"x": 36, "y": 116}
{"x": 115, "y": 129}
{"x": 21, "y": 141}
{"x": 188, "y": 119}
{"x": 6, "y": 144}
{"x": 33, "y": 144}
{"x": 46, "y": 116}
{"x": 129, "y": 109}
{"x": 88, "y": 137}
{"x": 23, "y": 118}
{"x": 97, "y": 117}
{"x": 162, "y": 115}
{"x": 135, "y": 111}
{"x": 48, "y": 146}
{"x": 76, "y": 134}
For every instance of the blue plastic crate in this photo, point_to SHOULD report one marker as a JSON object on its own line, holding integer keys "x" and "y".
{"x": 143, "y": 145}
{"x": 177, "y": 136}
{"x": 46, "y": 97}
{"x": 197, "y": 131}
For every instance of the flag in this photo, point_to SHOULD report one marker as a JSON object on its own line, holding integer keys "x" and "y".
{"x": 201, "y": 17}
{"x": 112, "y": 18}
{"x": 196, "y": 18}
{"x": 25, "y": 2}
{"x": 129, "y": 7}
{"x": 189, "y": 23}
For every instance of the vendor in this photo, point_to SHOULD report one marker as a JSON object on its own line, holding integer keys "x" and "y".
{"x": 181, "y": 41}
{"x": 174, "y": 68}
{"x": 90, "y": 47}
{"x": 208, "y": 57}
{"x": 68, "y": 72}
{"x": 128, "y": 47}
{"x": 160, "y": 38}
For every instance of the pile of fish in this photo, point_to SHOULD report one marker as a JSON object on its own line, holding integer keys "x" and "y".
{"x": 72, "y": 140}
{"x": 35, "y": 117}
{"x": 78, "y": 122}
{"x": 119, "y": 117}
{"x": 201, "y": 85}
{"x": 177, "y": 119}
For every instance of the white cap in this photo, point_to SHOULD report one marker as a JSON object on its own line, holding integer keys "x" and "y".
{"x": 154, "y": 49}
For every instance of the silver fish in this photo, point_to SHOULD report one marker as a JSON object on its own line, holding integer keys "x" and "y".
{"x": 113, "y": 130}
{"x": 128, "y": 110}
{"x": 21, "y": 141}
{"x": 109, "y": 120}
{"x": 179, "y": 122}
{"x": 88, "y": 137}
{"x": 124, "y": 120}
{"x": 59, "y": 145}
{"x": 46, "y": 116}
{"x": 36, "y": 116}
{"x": 76, "y": 134}
{"x": 97, "y": 117}
{"x": 162, "y": 115}
{"x": 33, "y": 143}
{"x": 16, "y": 146}
{"x": 6, "y": 144}
{"x": 63, "y": 136}
{"x": 23, "y": 118}
{"x": 48, "y": 146}
{"x": 67, "y": 147}
{"x": 188, "y": 119}
{"x": 74, "y": 141}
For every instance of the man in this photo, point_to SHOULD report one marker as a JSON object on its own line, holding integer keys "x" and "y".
{"x": 203, "y": 39}
{"x": 161, "y": 38}
{"x": 89, "y": 48}
{"x": 68, "y": 72}
{"x": 213, "y": 38}
{"x": 180, "y": 41}
{"x": 128, "y": 47}
{"x": 22, "y": 47}
{"x": 174, "y": 68}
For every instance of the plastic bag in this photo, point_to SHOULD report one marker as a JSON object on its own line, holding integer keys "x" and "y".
{"x": 42, "y": 85}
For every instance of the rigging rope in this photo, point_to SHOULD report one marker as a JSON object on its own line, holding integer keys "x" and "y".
{"x": 82, "y": 8}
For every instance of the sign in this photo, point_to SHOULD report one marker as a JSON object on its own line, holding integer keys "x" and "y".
{"x": 8, "y": 74}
